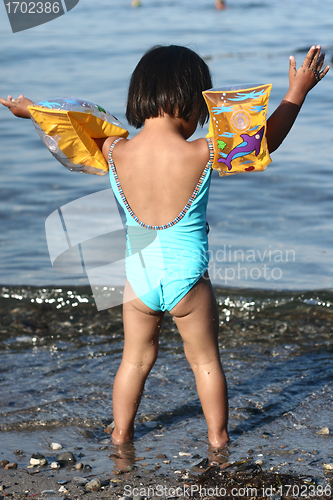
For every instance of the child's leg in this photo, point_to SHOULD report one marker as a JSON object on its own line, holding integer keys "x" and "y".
{"x": 196, "y": 316}
{"x": 141, "y": 331}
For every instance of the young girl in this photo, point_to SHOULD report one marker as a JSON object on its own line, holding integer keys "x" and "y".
{"x": 162, "y": 182}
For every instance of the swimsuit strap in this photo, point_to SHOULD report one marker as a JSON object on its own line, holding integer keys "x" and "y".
{"x": 188, "y": 204}
{"x": 211, "y": 151}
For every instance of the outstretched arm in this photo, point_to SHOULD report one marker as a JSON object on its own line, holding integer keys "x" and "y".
{"x": 19, "y": 106}
{"x": 301, "y": 81}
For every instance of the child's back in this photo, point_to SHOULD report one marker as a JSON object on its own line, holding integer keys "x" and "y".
{"x": 158, "y": 170}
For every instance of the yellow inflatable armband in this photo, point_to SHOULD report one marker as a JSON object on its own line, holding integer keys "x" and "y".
{"x": 68, "y": 127}
{"x": 238, "y": 126}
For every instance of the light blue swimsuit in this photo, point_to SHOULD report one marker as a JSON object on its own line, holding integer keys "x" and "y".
{"x": 164, "y": 262}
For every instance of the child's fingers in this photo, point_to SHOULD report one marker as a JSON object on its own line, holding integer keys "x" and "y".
{"x": 310, "y": 56}
{"x": 324, "y": 72}
{"x": 10, "y": 101}
{"x": 317, "y": 60}
{"x": 314, "y": 61}
{"x": 315, "y": 57}
{"x": 317, "y": 64}
{"x": 320, "y": 61}
{"x": 4, "y": 102}
{"x": 292, "y": 65}
{"x": 7, "y": 102}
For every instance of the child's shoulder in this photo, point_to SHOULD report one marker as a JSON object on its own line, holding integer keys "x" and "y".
{"x": 105, "y": 144}
{"x": 201, "y": 148}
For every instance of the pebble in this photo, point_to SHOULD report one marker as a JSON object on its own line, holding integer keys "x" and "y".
{"x": 324, "y": 430}
{"x": 87, "y": 434}
{"x": 56, "y": 446}
{"x": 109, "y": 428}
{"x": 37, "y": 459}
{"x": 80, "y": 480}
{"x": 94, "y": 485}
{"x": 183, "y": 454}
{"x": 66, "y": 456}
{"x": 105, "y": 442}
{"x": 328, "y": 466}
{"x": 55, "y": 465}
{"x": 62, "y": 489}
{"x": 3, "y": 463}
{"x": 151, "y": 425}
{"x": 202, "y": 463}
{"x": 79, "y": 466}
{"x": 12, "y": 465}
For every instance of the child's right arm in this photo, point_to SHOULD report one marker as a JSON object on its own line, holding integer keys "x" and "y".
{"x": 19, "y": 106}
{"x": 301, "y": 81}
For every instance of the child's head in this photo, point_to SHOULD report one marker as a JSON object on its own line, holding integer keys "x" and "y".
{"x": 168, "y": 80}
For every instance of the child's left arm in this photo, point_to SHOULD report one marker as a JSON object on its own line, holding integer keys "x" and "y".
{"x": 301, "y": 81}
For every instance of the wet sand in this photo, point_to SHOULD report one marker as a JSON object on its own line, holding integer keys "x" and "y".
{"x": 192, "y": 473}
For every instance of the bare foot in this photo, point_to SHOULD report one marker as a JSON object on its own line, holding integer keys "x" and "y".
{"x": 220, "y": 440}
{"x": 121, "y": 437}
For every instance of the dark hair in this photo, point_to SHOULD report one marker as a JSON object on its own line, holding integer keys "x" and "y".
{"x": 168, "y": 80}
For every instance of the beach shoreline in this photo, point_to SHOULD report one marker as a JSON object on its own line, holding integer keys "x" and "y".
{"x": 240, "y": 480}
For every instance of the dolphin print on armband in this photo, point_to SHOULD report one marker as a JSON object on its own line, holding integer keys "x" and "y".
{"x": 250, "y": 144}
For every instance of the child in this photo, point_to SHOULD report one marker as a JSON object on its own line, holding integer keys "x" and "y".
{"x": 162, "y": 183}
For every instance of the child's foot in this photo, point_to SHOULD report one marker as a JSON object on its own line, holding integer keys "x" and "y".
{"x": 219, "y": 440}
{"x": 121, "y": 437}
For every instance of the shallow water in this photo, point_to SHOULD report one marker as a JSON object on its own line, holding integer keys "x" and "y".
{"x": 270, "y": 241}
{"x": 58, "y": 364}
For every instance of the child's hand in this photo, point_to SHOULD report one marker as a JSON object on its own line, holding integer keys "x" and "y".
{"x": 301, "y": 81}
{"x": 19, "y": 106}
